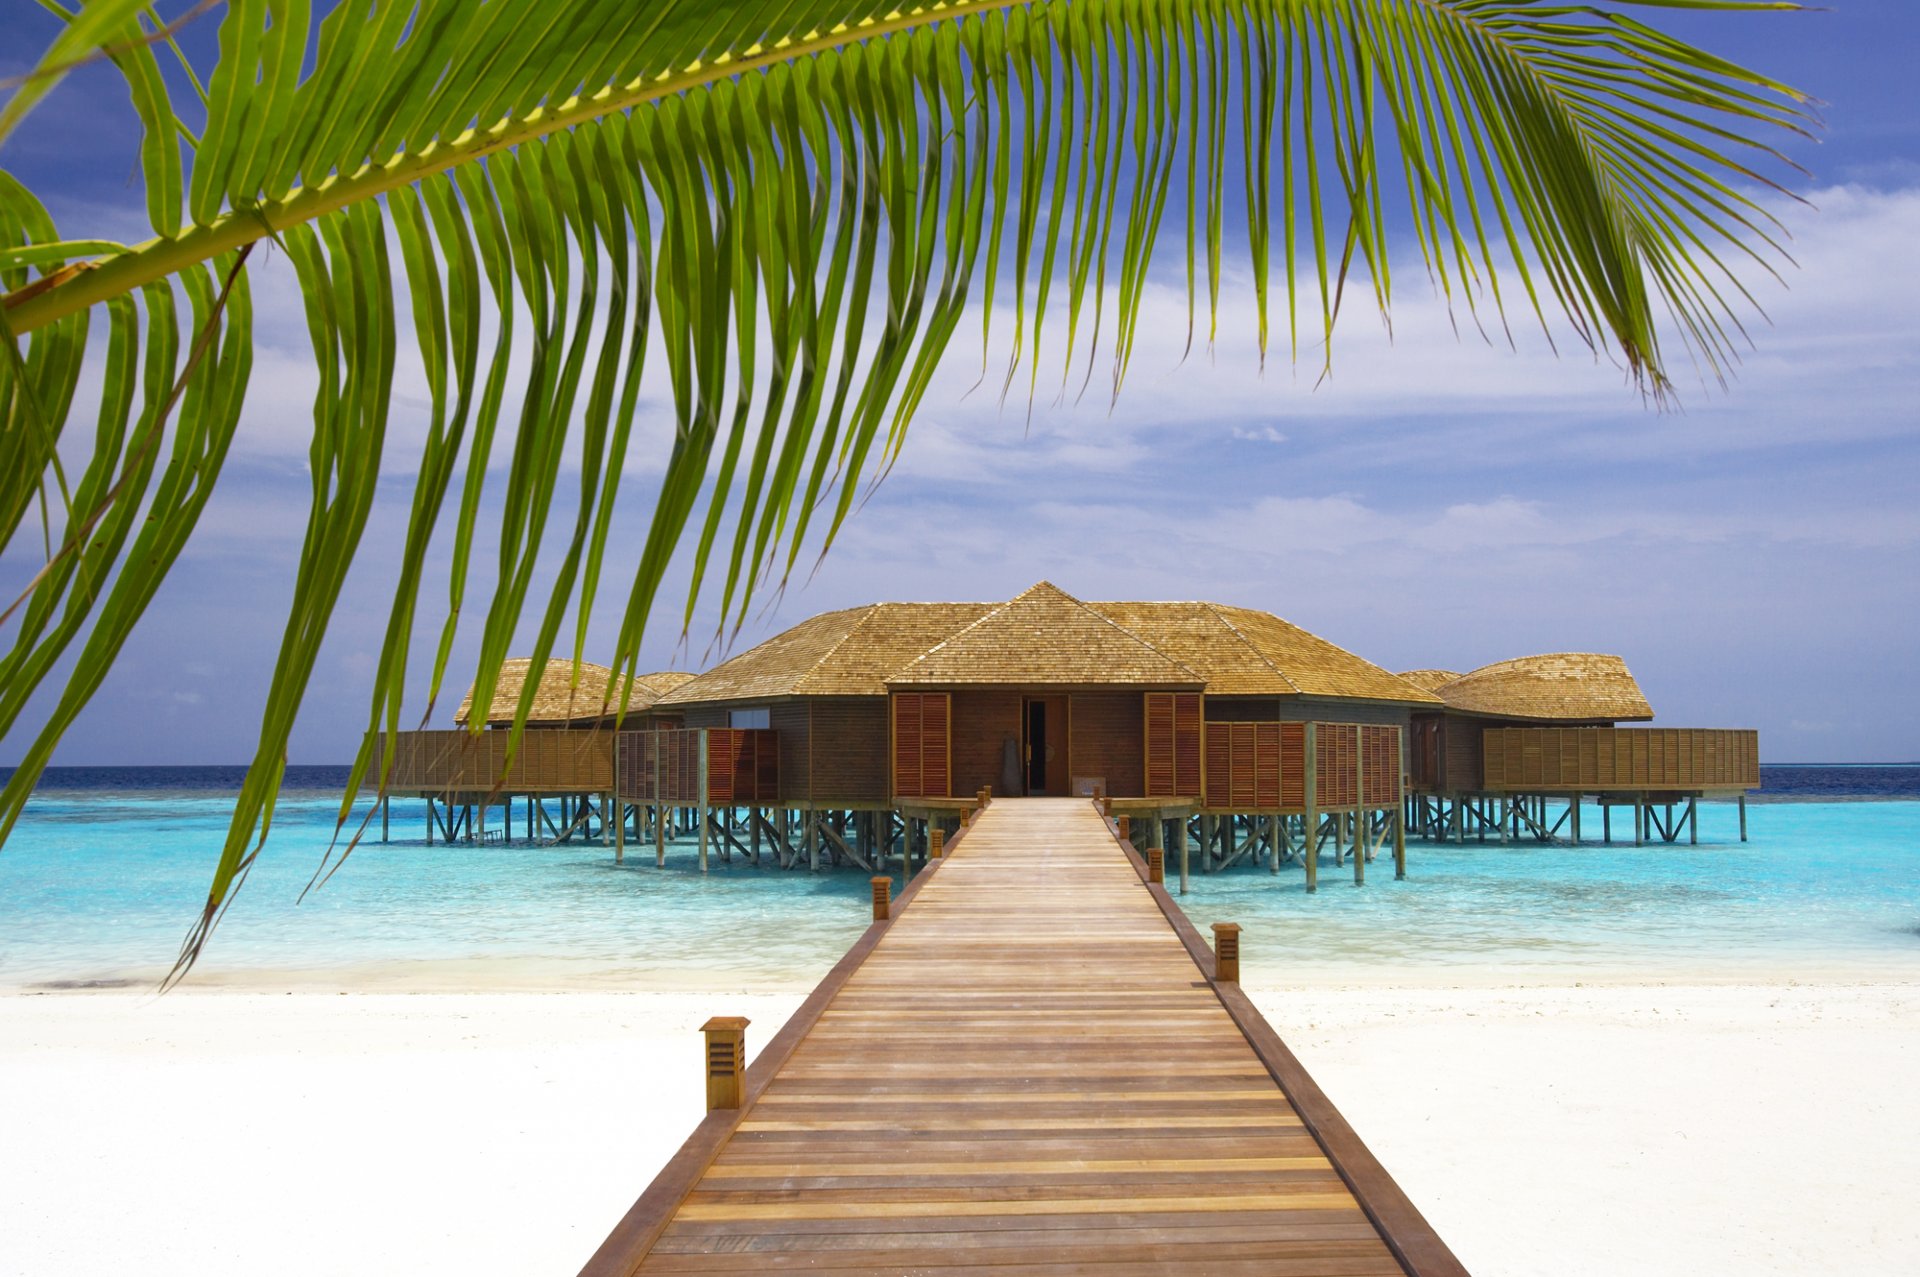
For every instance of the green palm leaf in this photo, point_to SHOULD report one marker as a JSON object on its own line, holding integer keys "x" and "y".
{"x": 796, "y": 199}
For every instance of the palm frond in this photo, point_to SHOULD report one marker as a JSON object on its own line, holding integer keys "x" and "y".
{"x": 796, "y": 199}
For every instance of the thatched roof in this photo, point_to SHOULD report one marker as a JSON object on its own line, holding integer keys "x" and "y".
{"x": 1561, "y": 686}
{"x": 560, "y": 699}
{"x": 1429, "y": 680}
{"x": 1045, "y": 637}
{"x": 848, "y": 653}
{"x": 1240, "y": 652}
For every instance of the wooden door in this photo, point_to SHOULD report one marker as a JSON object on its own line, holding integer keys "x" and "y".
{"x": 1044, "y": 748}
{"x": 922, "y": 763}
{"x": 1173, "y": 744}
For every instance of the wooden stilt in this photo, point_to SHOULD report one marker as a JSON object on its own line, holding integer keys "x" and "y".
{"x": 1359, "y": 816}
{"x": 386, "y": 804}
{"x": 1310, "y": 850}
{"x": 1693, "y": 821}
{"x": 1359, "y": 848}
{"x": 1640, "y": 814}
{"x": 813, "y": 840}
{"x": 1743, "y": 818}
{"x": 1573, "y": 815}
{"x": 1180, "y": 837}
{"x": 702, "y": 809}
{"x": 1400, "y": 845}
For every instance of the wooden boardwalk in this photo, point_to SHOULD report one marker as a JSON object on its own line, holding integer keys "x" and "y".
{"x": 1028, "y": 1070}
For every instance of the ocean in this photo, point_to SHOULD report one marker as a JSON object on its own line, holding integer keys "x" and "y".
{"x": 105, "y": 872}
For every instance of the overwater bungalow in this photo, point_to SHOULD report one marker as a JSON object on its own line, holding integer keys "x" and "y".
{"x": 1223, "y": 734}
{"x": 1517, "y": 747}
{"x": 560, "y": 771}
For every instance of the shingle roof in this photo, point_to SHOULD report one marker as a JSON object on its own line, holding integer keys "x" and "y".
{"x": 847, "y": 653}
{"x": 1240, "y": 652}
{"x": 1045, "y": 638}
{"x": 559, "y": 699}
{"x": 1562, "y": 686}
{"x": 1315, "y": 666}
{"x": 1429, "y": 680}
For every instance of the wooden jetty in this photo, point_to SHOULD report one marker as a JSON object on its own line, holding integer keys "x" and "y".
{"x": 1030, "y": 1063}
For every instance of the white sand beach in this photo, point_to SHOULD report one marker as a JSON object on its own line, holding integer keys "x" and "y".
{"x": 1687, "y": 1128}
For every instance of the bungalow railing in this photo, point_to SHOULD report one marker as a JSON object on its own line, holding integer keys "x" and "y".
{"x": 458, "y": 761}
{"x": 740, "y": 765}
{"x": 1265, "y": 766}
{"x": 1627, "y": 759}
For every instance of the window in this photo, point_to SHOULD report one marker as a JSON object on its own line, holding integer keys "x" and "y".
{"x": 760, "y": 716}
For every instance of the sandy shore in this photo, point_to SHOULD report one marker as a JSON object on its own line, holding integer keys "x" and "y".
{"x": 1686, "y": 1128}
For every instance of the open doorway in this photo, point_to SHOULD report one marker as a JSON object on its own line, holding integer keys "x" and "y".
{"x": 1044, "y": 720}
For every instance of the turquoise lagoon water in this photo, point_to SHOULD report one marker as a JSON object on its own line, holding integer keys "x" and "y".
{"x": 104, "y": 874}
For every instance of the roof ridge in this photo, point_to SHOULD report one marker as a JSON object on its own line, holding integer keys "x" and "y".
{"x": 1095, "y": 612}
{"x": 1080, "y": 603}
{"x": 866, "y": 611}
{"x": 1253, "y": 647}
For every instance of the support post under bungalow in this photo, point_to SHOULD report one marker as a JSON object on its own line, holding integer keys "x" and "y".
{"x": 619, "y": 829}
{"x": 701, "y": 807}
{"x": 1311, "y": 850}
{"x": 1180, "y": 837}
{"x": 386, "y": 803}
{"x": 1693, "y": 822}
{"x": 607, "y": 836}
{"x": 812, "y": 818}
{"x": 1743, "y": 816}
{"x": 1400, "y": 844}
{"x": 1639, "y": 820}
{"x": 1573, "y": 815}
{"x": 1361, "y": 836}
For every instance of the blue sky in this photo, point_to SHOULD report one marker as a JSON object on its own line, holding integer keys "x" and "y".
{"x": 1438, "y": 502}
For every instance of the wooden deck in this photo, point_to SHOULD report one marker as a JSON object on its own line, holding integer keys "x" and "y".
{"x": 1028, "y": 1070}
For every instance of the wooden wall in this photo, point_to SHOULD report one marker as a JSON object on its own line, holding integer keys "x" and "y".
{"x": 743, "y": 766}
{"x": 1620, "y": 758}
{"x": 1450, "y": 760}
{"x": 1106, "y": 736}
{"x": 848, "y": 744}
{"x": 1243, "y": 709}
{"x": 792, "y": 725}
{"x": 982, "y": 721}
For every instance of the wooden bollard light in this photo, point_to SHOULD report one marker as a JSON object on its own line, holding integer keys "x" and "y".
{"x": 726, "y": 1061}
{"x": 1226, "y": 953}
{"x": 1156, "y": 865}
{"x": 882, "y": 899}
{"x": 1126, "y": 829}
{"x": 936, "y": 843}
